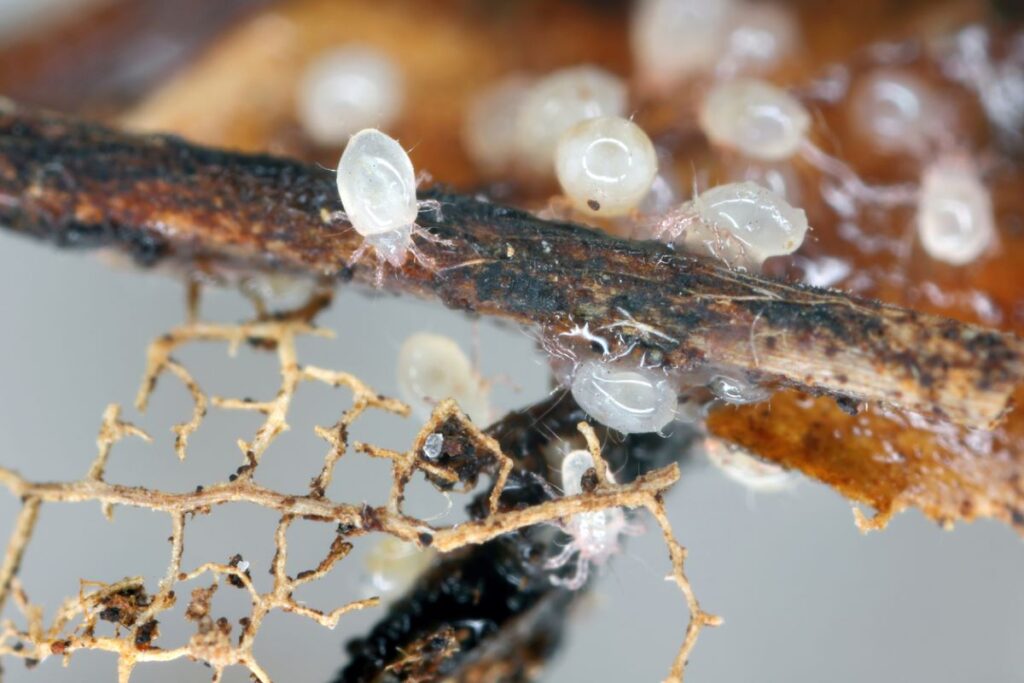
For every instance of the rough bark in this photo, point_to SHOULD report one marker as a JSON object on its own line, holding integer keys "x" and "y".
{"x": 81, "y": 184}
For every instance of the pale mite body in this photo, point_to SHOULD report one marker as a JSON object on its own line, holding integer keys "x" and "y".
{"x": 489, "y": 130}
{"x": 896, "y": 111}
{"x": 346, "y": 90}
{"x": 753, "y": 473}
{"x": 740, "y": 224}
{"x": 393, "y": 566}
{"x": 594, "y": 536}
{"x": 605, "y": 165}
{"x": 955, "y": 220}
{"x": 629, "y": 400}
{"x": 557, "y": 102}
{"x": 377, "y": 186}
{"x": 674, "y": 41}
{"x": 763, "y": 123}
{"x": 755, "y": 119}
{"x": 432, "y": 368}
{"x": 761, "y": 36}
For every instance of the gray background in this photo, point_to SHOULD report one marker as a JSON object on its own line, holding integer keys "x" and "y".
{"x": 805, "y": 596}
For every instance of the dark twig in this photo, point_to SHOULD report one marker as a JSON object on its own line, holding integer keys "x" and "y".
{"x": 80, "y": 184}
{"x": 500, "y": 587}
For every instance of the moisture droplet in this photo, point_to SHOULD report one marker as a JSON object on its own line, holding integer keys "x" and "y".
{"x": 432, "y": 446}
{"x": 737, "y": 391}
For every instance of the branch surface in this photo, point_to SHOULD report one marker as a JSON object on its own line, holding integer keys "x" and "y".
{"x": 81, "y": 184}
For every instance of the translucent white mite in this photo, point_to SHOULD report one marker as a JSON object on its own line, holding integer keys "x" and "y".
{"x": 606, "y": 166}
{"x": 558, "y": 101}
{"x": 278, "y": 291}
{"x": 632, "y": 401}
{"x": 574, "y": 465}
{"x": 432, "y": 368}
{"x": 675, "y": 40}
{"x": 489, "y": 132}
{"x": 755, "y": 118}
{"x": 761, "y": 35}
{"x": 894, "y": 110}
{"x": 954, "y": 217}
{"x": 594, "y": 536}
{"x": 393, "y": 565}
{"x": 746, "y": 469}
{"x": 741, "y": 224}
{"x": 377, "y": 186}
{"x": 346, "y": 90}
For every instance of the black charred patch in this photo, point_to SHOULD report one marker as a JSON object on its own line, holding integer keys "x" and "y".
{"x": 146, "y": 633}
